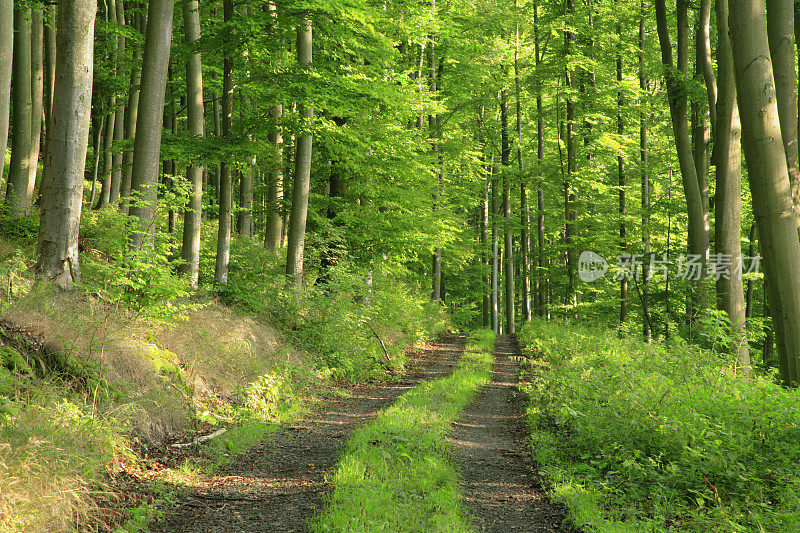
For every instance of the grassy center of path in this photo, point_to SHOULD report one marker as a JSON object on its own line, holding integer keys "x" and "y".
{"x": 396, "y": 474}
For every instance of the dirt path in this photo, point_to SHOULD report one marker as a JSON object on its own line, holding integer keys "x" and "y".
{"x": 279, "y": 485}
{"x": 500, "y": 487}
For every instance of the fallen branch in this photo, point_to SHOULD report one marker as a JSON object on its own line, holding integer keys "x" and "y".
{"x": 201, "y": 439}
{"x": 388, "y": 360}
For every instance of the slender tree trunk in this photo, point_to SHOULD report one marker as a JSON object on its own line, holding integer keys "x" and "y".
{"x": 698, "y": 245}
{"x": 108, "y": 159}
{"x": 768, "y": 176}
{"x": 570, "y": 299}
{"x": 37, "y": 95}
{"x": 623, "y": 242}
{"x": 98, "y": 123}
{"x": 225, "y": 180}
{"x": 272, "y": 234}
{"x": 49, "y": 60}
{"x": 62, "y": 186}
{"x": 495, "y": 251}
{"x": 6, "y": 60}
{"x": 780, "y": 32}
{"x": 728, "y": 202}
{"x": 646, "y": 326}
{"x": 131, "y": 119}
{"x": 192, "y": 222}
{"x": 302, "y": 169}
{"x": 540, "y": 270}
{"x": 523, "y": 196}
{"x": 119, "y": 118}
{"x": 19, "y": 171}
{"x": 484, "y": 242}
{"x": 147, "y": 143}
{"x": 505, "y": 156}
{"x": 436, "y": 260}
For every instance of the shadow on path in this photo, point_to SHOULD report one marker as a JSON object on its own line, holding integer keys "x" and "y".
{"x": 279, "y": 485}
{"x": 500, "y": 488}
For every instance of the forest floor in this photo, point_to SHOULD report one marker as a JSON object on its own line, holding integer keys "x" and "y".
{"x": 280, "y": 484}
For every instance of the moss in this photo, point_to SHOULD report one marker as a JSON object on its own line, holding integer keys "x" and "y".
{"x": 14, "y": 361}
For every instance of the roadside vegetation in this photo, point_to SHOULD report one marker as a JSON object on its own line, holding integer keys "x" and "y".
{"x": 96, "y": 384}
{"x": 660, "y": 437}
{"x": 396, "y": 474}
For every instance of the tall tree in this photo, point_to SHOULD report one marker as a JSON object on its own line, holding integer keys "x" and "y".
{"x": 645, "y": 178}
{"x": 119, "y": 114}
{"x": 147, "y": 143}
{"x": 37, "y": 93}
{"x": 780, "y": 32}
{"x": 302, "y": 167}
{"x": 728, "y": 201}
{"x": 623, "y": 243}
{"x": 131, "y": 118}
{"x": 190, "y": 251}
{"x": 225, "y": 180}
{"x": 769, "y": 177}
{"x": 274, "y": 222}
{"x": 436, "y": 259}
{"x": 677, "y": 96}
{"x": 523, "y": 192}
{"x": 62, "y": 185}
{"x": 505, "y": 159}
{"x": 49, "y": 59}
{"x": 19, "y": 171}
{"x": 6, "y": 60}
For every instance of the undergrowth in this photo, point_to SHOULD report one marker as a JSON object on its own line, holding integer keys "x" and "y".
{"x": 396, "y": 474}
{"x": 637, "y": 437}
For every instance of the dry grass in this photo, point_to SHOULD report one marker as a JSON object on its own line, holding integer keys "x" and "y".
{"x": 56, "y": 447}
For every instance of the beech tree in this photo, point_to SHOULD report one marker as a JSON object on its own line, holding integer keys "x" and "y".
{"x": 68, "y": 132}
{"x": 17, "y": 200}
{"x": 6, "y": 59}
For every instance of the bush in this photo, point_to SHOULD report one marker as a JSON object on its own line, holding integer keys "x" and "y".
{"x": 664, "y": 435}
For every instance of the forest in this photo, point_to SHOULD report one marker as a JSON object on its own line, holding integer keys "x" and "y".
{"x": 226, "y": 223}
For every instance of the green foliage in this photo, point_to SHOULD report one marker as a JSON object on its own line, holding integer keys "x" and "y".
{"x": 143, "y": 280}
{"x": 396, "y": 473}
{"x": 661, "y": 434}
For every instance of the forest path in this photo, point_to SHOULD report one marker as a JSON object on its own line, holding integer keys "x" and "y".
{"x": 279, "y": 485}
{"x": 500, "y": 489}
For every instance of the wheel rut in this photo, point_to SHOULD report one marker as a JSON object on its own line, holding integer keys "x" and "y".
{"x": 279, "y": 484}
{"x": 500, "y": 488}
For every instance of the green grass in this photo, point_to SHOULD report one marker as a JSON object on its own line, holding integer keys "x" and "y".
{"x": 396, "y": 474}
{"x": 636, "y": 437}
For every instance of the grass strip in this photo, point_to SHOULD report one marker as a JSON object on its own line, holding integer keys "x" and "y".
{"x": 396, "y": 473}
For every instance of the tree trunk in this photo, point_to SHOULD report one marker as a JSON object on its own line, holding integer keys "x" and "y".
{"x": 272, "y": 233}
{"x": 505, "y": 156}
{"x": 728, "y": 202}
{"x": 523, "y": 196}
{"x": 62, "y": 186}
{"x": 6, "y": 60}
{"x": 119, "y": 118}
{"x": 192, "y": 223}
{"x": 108, "y": 159}
{"x": 542, "y": 294}
{"x": 37, "y": 95}
{"x": 19, "y": 171}
{"x": 225, "y": 178}
{"x": 623, "y": 243}
{"x": 436, "y": 259}
{"x": 302, "y": 168}
{"x": 570, "y": 297}
{"x": 131, "y": 119}
{"x": 780, "y": 32}
{"x": 768, "y": 176}
{"x": 698, "y": 245}
{"x": 147, "y": 144}
{"x": 49, "y": 61}
{"x": 495, "y": 251}
{"x": 484, "y": 242}
{"x": 646, "y": 326}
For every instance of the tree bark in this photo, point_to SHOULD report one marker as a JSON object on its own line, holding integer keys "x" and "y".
{"x": 728, "y": 202}
{"x": 542, "y": 293}
{"x": 272, "y": 233}
{"x": 570, "y": 298}
{"x": 49, "y": 61}
{"x": 62, "y": 186}
{"x": 147, "y": 143}
{"x": 698, "y": 245}
{"x": 645, "y": 178}
{"x": 523, "y": 195}
{"x": 495, "y": 251}
{"x": 302, "y": 168}
{"x": 768, "y": 175}
{"x": 131, "y": 119}
{"x": 19, "y": 171}
{"x": 436, "y": 259}
{"x": 623, "y": 243}
{"x": 225, "y": 179}
{"x": 780, "y": 32}
{"x": 505, "y": 157}
{"x": 192, "y": 223}
{"x": 37, "y": 95}
{"x": 6, "y": 60}
{"x": 119, "y": 118}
